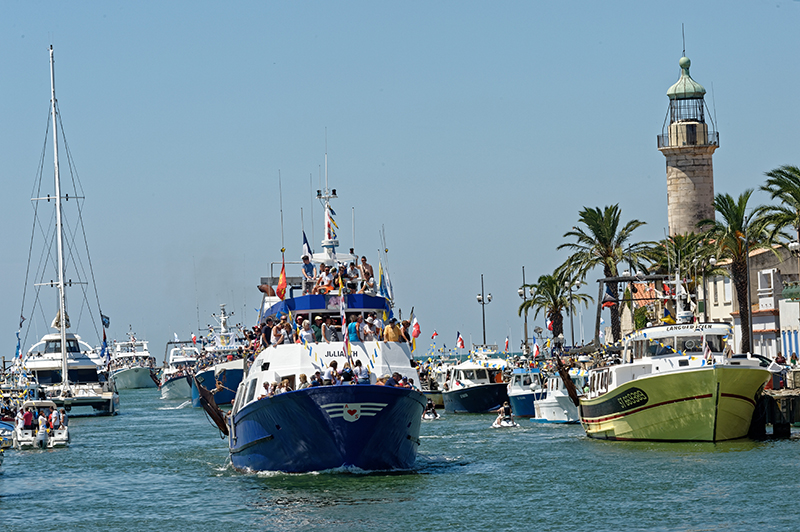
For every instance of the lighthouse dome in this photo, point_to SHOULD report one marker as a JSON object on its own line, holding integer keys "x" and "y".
{"x": 685, "y": 88}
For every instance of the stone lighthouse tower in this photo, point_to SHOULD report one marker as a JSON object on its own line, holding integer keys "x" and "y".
{"x": 688, "y": 143}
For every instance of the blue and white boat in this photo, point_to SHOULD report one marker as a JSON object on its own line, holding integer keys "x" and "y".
{"x": 524, "y": 388}
{"x": 221, "y": 366}
{"x": 476, "y": 385}
{"x": 364, "y": 426}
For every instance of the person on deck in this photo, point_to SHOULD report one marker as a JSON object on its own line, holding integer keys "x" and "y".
{"x": 64, "y": 419}
{"x": 391, "y": 333}
{"x": 329, "y": 331}
{"x": 405, "y": 332}
{"x": 361, "y": 372}
{"x": 366, "y": 270}
{"x": 27, "y": 419}
{"x": 317, "y": 328}
{"x": 309, "y": 274}
{"x": 303, "y": 382}
{"x": 353, "y": 329}
{"x": 306, "y": 334}
{"x": 331, "y": 376}
{"x": 368, "y": 331}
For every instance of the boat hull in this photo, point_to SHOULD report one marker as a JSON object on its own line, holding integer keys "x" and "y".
{"x": 327, "y": 427}
{"x": 475, "y": 399}
{"x": 713, "y": 403}
{"x": 229, "y": 377}
{"x": 177, "y": 388}
{"x": 134, "y": 378}
{"x": 522, "y": 404}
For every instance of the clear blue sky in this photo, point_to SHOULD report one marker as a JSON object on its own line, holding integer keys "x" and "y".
{"x": 474, "y": 132}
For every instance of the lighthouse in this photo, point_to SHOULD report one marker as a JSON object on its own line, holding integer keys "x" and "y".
{"x": 688, "y": 143}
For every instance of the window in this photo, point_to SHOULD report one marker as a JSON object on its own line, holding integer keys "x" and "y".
{"x": 481, "y": 374}
{"x": 716, "y": 292}
{"x": 726, "y": 283}
{"x": 526, "y": 380}
{"x": 468, "y": 374}
{"x": 251, "y": 391}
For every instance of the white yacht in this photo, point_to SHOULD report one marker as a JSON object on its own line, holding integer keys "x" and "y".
{"x": 176, "y": 382}
{"x": 556, "y": 406}
{"x": 85, "y": 384}
{"x": 132, "y": 364}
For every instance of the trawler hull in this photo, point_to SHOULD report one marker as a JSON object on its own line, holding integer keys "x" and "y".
{"x": 327, "y": 427}
{"x": 475, "y": 399}
{"x": 711, "y": 403}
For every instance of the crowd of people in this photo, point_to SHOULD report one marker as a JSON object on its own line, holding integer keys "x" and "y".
{"x": 354, "y": 279}
{"x": 367, "y": 327}
{"x": 30, "y": 418}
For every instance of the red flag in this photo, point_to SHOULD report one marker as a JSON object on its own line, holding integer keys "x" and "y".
{"x": 434, "y": 335}
{"x": 506, "y": 343}
{"x": 281, "y": 291}
{"x": 194, "y": 339}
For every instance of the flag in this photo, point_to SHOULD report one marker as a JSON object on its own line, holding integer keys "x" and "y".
{"x": 21, "y": 320}
{"x": 103, "y": 318}
{"x": 506, "y": 350}
{"x": 434, "y": 335}
{"x": 382, "y": 288}
{"x": 549, "y": 323}
{"x": 176, "y": 337}
{"x": 19, "y": 348}
{"x": 536, "y": 350}
{"x": 459, "y": 340}
{"x": 104, "y": 353}
{"x": 668, "y": 318}
{"x": 709, "y": 356}
{"x": 608, "y": 299}
{"x": 306, "y": 248}
{"x": 194, "y": 339}
{"x": 415, "y": 330}
{"x": 281, "y": 291}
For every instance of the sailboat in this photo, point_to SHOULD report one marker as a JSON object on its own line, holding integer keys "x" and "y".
{"x": 64, "y": 366}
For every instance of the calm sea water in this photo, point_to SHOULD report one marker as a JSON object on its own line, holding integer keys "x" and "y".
{"x": 160, "y": 466}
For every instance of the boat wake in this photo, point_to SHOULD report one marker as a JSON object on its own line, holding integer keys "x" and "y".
{"x": 182, "y": 405}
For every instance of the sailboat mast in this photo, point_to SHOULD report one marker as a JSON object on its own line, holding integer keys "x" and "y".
{"x": 62, "y": 301}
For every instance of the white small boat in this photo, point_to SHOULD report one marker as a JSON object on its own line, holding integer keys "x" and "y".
{"x": 132, "y": 364}
{"x": 556, "y": 406}
{"x": 505, "y": 423}
{"x": 176, "y": 382}
{"x": 41, "y": 437}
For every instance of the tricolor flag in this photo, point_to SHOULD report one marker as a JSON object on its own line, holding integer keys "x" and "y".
{"x": 459, "y": 340}
{"x": 281, "y": 291}
{"x": 548, "y": 323}
{"x": 535, "y": 348}
{"x": 608, "y": 298}
{"x": 434, "y": 335}
{"x": 709, "y": 356}
{"x": 506, "y": 350}
{"x": 306, "y": 248}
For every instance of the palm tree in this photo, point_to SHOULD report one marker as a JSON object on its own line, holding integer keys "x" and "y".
{"x": 550, "y": 294}
{"x": 734, "y": 237}
{"x": 602, "y": 242}
{"x": 783, "y": 183}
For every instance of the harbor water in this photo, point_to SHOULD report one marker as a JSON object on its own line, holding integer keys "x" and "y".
{"x": 160, "y": 465}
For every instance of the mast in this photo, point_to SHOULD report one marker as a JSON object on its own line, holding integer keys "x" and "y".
{"x": 62, "y": 301}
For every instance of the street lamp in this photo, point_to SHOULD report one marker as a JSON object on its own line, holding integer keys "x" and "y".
{"x": 568, "y": 286}
{"x": 523, "y": 293}
{"x": 484, "y": 300}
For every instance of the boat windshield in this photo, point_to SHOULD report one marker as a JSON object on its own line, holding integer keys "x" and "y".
{"x": 659, "y": 347}
{"x": 54, "y": 346}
